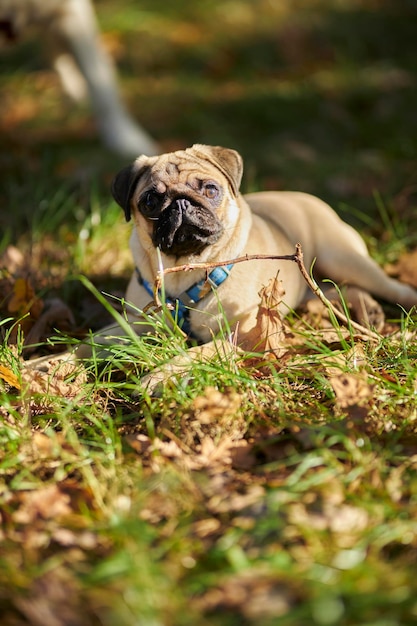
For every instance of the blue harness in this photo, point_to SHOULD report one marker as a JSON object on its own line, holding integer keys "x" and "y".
{"x": 180, "y": 307}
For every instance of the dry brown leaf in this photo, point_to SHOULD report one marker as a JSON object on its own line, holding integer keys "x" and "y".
{"x": 268, "y": 334}
{"x": 226, "y": 501}
{"x": 351, "y": 389}
{"x": 140, "y": 443}
{"x": 168, "y": 449}
{"x": 206, "y": 527}
{"x": 394, "y": 484}
{"x": 405, "y": 269}
{"x": 56, "y": 376}
{"x": 214, "y": 405}
{"x": 244, "y": 455}
{"x": 43, "y": 445}
{"x": 316, "y": 337}
{"x": 317, "y": 315}
{"x": 210, "y": 453}
{"x": 24, "y": 300}
{"x": 9, "y": 376}
{"x": 22, "y": 303}
{"x": 213, "y": 453}
{"x": 346, "y": 522}
{"x": 251, "y": 593}
{"x": 266, "y": 448}
{"x": 353, "y": 398}
{"x": 85, "y": 539}
{"x": 45, "y": 503}
{"x": 354, "y": 358}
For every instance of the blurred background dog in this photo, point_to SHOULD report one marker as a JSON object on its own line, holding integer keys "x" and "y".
{"x": 70, "y": 34}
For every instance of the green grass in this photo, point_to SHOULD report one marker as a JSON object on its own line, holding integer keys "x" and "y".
{"x": 249, "y": 491}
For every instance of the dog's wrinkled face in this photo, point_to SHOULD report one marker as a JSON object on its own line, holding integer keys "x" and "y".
{"x": 179, "y": 198}
{"x": 183, "y": 214}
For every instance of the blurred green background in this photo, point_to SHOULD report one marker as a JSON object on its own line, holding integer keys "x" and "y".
{"x": 317, "y": 95}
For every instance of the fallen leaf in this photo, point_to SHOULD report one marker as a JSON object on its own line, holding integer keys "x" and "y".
{"x": 206, "y": 527}
{"x": 351, "y": 389}
{"x": 45, "y": 503}
{"x": 253, "y": 595}
{"x": 9, "y": 376}
{"x": 354, "y": 358}
{"x": 140, "y": 443}
{"x": 85, "y": 540}
{"x": 54, "y": 376}
{"x": 214, "y": 405}
{"x": 24, "y": 300}
{"x": 346, "y": 519}
{"x": 214, "y": 414}
{"x": 213, "y": 453}
{"x": 268, "y": 334}
{"x": 405, "y": 269}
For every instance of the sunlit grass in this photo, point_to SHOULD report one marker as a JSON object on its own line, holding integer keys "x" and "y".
{"x": 308, "y": 508}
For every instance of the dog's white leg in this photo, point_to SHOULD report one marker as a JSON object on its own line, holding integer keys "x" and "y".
{"x": 77, "y": 29}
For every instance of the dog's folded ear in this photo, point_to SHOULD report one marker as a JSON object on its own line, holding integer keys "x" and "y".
{"x": 124, "y": 185}
{"x": 228, "y": 161}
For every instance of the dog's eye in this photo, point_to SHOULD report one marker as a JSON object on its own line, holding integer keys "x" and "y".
{"x": 151, "y": 200}
{"x": 211, "y": 191}
{"x": 150, "y": 203}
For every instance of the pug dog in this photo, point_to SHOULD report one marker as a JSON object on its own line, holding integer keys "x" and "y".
{"x": 187, "y": 209}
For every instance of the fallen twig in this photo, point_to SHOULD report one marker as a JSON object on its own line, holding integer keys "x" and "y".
{"x": 210, "y": 266}
{"x": 297, "y": 257}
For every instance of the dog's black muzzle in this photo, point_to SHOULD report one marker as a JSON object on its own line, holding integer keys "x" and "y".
{"x": 184, "y": 228}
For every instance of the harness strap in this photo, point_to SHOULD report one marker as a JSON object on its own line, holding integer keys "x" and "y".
{"x": 180, "y": 309}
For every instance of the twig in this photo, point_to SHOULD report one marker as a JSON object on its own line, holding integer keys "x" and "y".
{"x": 210, "y": 266}
{"x": 298, "y": 258}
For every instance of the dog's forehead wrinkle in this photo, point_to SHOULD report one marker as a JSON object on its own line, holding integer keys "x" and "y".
{"x": 177, "y": 168}
{"x": 171, "y": 168}
{"x": 159, "y": 186}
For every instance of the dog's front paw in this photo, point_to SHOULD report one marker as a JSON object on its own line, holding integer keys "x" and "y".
{"x": 180, "y": 368}
{"x": 177, "y": 368}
